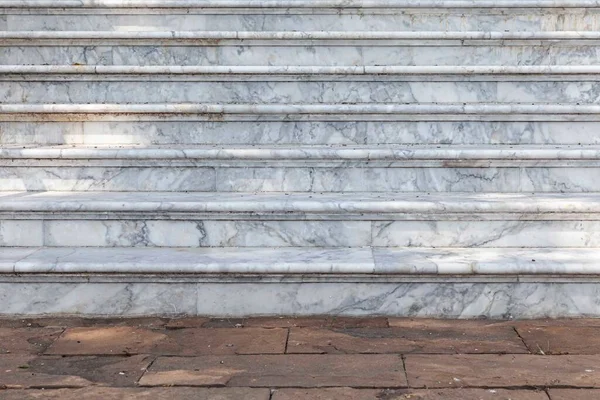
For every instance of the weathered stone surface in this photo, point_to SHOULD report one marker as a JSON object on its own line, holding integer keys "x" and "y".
{"x": 437, "y": 339}
{"x": 558, "y": 322}
{"x": 574, "y": 394}
{"x": 71, "y": 322}
{"x": 185, "y": 342}
{"x": 224, "y": 323}
{"x": 15, "y": 373}
{"x": 27, "y": 340}
{"x": 486, "y": 370}
{"x": 332, "y": 322}
{"x": 190, "y": 342}
{"x": 112, "y": 340}
{"x": 557, "y": 339}
{"x": 287, "y": 322}
{"x": 278, "y": 371}
{"x": 406, "y": 394}
{"x": 111, "y": 371}
{"x": 104, "y": 393}
{"x": 191, "y": 322}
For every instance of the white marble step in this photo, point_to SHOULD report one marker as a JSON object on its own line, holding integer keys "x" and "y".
{"x": 294, "y": 261}
{"x": 113, "y": 129}
{"x": 302, "y": 112}
{"x": 266, "y": 5}
{"x": 300, "y": 15}
{"x": 428, "y": 90}
{"x": 112, "y": 219}
{"x": 326, "y": 48}
{"x": 426, "y": 282}
{"x": 302, "y": 169}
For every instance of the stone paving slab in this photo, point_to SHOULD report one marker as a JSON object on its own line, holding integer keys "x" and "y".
{"x": 301, "y": 322}
{"x": 278, "y": 371}
{"x": 15, "y": 374}
{"x": 23, "y": 371}
{"x": 111, "y": 370}
{"x": 512, "y": 370}
{"x": 27, "y": 340}
{"x": 408, "y": 394}
{"x": 451, "y": 340}
{"x": 72, "y": 322}
{"x": 105, "y": 393}
{"x": 182, "y": 342}
{"x": 556, "y": 339}
{"x": 191, "y": 322}
{"x": 574, "y": 394}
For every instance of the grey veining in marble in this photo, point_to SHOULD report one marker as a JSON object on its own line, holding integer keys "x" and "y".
{"x": 298, "y": 132}
{"x": 349, "y": 20}
{"x": 158, "y": 233}
{"x": 302, "y": 55}
{"x": 447, "y": 300}
{"x": 286, "y": 233}
{"x": 477, "y": 234}
{"x": 300, "y": 92}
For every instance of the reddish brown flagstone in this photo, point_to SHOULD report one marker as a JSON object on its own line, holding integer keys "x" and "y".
{"x": 407, "y": 394}
{"x": 124, "y": 340}
{"x": 574, "y": 394}
{"x": 488, "y": 339}
{"x": 278, "y": 371}
{"x": 561, "y": 339}
{"x": 514, "y": 370}
{"x": 105, "y": 393}
{"x": 27, "y": 340}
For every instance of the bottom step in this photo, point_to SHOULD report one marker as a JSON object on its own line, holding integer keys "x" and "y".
{"x": 423, "y": 282}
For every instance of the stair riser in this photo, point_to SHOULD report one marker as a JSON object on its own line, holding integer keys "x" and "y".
{"x": 300, "y": 92}
{"x": 122, "y": 297}
{"x": 385, "y": 20}
{"x": 298, "y": 132}
{"x": 300, "y": 179}
{"x": 244, "y": 233}
{"x": 484, "y": 53}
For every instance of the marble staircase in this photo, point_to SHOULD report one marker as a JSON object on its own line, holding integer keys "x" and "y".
{"x": 434, "y": 158}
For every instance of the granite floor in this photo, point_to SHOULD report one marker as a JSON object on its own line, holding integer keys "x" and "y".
{"x": 299, "y": 358}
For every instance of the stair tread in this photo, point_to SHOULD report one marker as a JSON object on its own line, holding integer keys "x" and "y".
{"x": 308, "y": 203}
{"x": 284, "y": 4}
{"x": 293, "y": 260}
{"x": 369, "y": 152}
{"x": 302, "y": 35}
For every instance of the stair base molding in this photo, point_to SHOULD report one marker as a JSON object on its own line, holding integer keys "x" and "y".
{"x": 82, "y": 295}
{"x": 403, "y": 282}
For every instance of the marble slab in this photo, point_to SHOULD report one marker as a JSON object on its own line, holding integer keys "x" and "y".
{"x": 297, "y": 132}
{"x": 365, "y": 19}
{"x": 204, "y": 233}
{"x": 348, "y": 92}
{"x": 332, "y": 55}
{"x": 441, "y": 300}
{"x": 486, "y": 234}
{"x": 149, "y": 233}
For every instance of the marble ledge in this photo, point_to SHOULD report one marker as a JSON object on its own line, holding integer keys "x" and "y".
{"x": 307, "y": 153}
{"x": 286, "y": 4}
{"x": 246, "y": 36}
{"x": 301, "y": 203}
{"x": 476, "y": 262}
